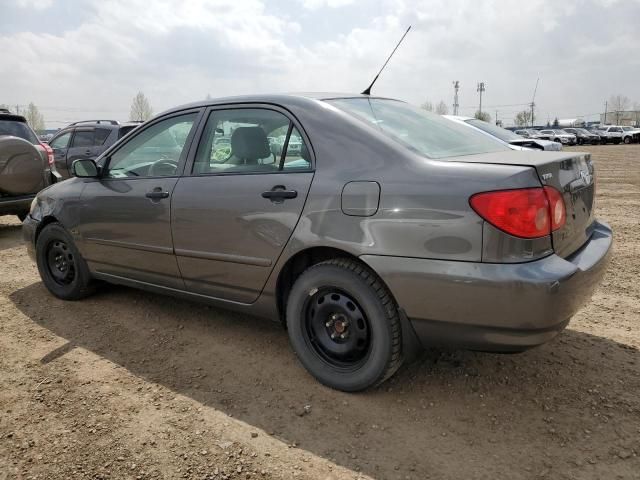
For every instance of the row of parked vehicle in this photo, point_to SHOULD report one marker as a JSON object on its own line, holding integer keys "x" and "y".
{"x": 599, "y": 135}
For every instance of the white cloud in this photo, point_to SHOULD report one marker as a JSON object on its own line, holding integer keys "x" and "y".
{"x": 37, "y": 4}
{"x": 315, "y": 4}
{"x": 178, "y": 51}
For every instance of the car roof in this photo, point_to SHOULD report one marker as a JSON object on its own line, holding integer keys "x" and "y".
{"x": 12, "y": 117}
{"x": 275, "y": 98}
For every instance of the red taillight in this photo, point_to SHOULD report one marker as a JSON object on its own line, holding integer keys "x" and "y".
{"x": 558, "y": 212}
{"x": 526, "y": 212}
{"x": 49, "y": 151}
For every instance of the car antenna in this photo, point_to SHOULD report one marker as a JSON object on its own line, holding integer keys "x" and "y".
{"x": 368, "y": 89}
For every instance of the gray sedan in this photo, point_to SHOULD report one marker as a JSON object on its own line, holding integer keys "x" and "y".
{"x": 384, "y": 230}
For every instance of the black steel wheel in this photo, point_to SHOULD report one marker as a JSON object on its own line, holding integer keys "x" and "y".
{"x": 336, "y": 328}
{"x": 61, "y": 264}
{"x": 344, "y": 325}
{"x": 62, "y": 269}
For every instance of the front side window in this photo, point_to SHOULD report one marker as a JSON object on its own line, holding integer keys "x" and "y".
{"x": 423, "y": 132}
{"x": 250, "y": 140}
{"x": 62, "y": 141}
{"x": 155, "y": 152}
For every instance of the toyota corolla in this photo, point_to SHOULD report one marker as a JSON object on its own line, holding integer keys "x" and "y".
{"x": 387, "y": 228}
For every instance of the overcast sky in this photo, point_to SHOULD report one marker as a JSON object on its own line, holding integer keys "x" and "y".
{"x": 87, "y": 58}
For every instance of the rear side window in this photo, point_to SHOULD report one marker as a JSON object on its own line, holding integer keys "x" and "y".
{"x": 101, "y": 135}
{"x": 18, "y": 129}
{"x": 423, "y": 132}
{"x": 250, "y": 140}
{"x": 83, "y": 138}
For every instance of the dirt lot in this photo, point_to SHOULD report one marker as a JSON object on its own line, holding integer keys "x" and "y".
{"x": 134, "y": 385}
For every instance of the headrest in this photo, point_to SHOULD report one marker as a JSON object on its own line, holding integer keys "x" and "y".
{"x": 250, "y": 143}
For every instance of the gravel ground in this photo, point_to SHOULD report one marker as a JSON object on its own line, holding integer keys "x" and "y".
{"x": 128, "y": 384}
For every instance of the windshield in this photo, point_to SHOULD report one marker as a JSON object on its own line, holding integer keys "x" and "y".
{"x": 498, "y": 132}
{"x": 421, "y": 131}
{"x": 18, "y": 129}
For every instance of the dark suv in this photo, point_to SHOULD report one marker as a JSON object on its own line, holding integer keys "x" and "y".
{"x": 85, "y": 139}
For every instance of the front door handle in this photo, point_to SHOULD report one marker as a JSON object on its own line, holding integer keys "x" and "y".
{"x": 157, "y": 193}
{"x": 279, "y": 193}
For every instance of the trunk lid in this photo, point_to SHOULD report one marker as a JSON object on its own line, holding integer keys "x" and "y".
{"x": 573, "y": 175}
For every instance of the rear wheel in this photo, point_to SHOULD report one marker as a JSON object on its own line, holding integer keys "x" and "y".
{"x": 62, "y": 269}
{"x": 627, "y": 140}
{"x": 344, "y": 325}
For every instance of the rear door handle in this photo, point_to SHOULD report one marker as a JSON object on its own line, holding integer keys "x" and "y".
{"x": 157, "y": 193}
{"x": 279, "y": 193}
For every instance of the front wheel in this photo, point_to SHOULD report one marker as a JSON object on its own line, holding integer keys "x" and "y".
{"x": 344, "y": 325}
{"x": 627, "y": 140}
{"x": 62, "y": 269}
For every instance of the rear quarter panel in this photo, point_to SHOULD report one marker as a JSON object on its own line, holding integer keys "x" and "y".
{"x": 424, "y": 207}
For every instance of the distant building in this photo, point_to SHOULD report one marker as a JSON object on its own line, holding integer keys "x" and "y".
{"x": 628, "y": 117}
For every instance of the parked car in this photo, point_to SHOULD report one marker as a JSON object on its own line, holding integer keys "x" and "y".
{"x": 610, "y": 134}
{"x": 85, "y": 139}
{"x": 512, "y": 140}
{"x": 630, "y": 134}
{"x": 559, "y": 136}
{"x": 583, "y": 135}
{"x": 25, "y": 165}
{"x": 393, "y": 229}
{"x": 528, "y": 133}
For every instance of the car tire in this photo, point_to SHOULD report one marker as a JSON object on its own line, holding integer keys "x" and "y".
{"x": 557, "y": 140}
{"x": 63, "y": 270}
{"x": 344, "y": 325}
{"x": 627, "y": 140}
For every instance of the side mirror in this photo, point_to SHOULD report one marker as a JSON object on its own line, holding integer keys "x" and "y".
{"x": 85, "y": 168}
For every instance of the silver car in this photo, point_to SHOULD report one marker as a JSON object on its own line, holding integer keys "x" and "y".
{"x": 391, "y": 229}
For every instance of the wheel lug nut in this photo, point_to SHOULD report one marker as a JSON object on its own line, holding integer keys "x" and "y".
{"x": 328, "y": 324}
{"x": 333, "y": 335}
{"x": 343, "y": 336}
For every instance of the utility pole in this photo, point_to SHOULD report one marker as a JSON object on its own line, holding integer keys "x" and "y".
{"x": 533, "y": 101}
{"x": 481, "y": 88}
{"x": 17, "y": 109}
{"x": 456, "y": 105}
{"x": 606, "y": 105}
{"x": 497, "y": 122}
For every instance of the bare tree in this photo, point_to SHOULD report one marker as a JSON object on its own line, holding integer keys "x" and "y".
{"x": 636, "y": 111}
{"x": 441, "y": 108}
{"x": 618, "y": 104}
{"x": 484, "y": 116}
{"x": 34, "y": 118}
{"x": 140, "y": 108}
{"x": 523, "y": 118}
{"x": 428, "y": 106}
{"x": 556, "y": 123}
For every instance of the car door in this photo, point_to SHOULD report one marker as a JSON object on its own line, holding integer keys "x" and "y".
{"x": 238, "y": 203}
{"x": 125, "y": 223}
{"x": 60, "y": 144}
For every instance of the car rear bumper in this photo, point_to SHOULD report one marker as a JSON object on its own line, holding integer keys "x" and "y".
{"x": 29, "y": 229}
{"x": 494, "y": 307}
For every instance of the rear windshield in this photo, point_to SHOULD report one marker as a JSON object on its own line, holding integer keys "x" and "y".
{"x": 498, "y": 132}
{"x": 421, "y": 131}
{"x": 18, "y": 129}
